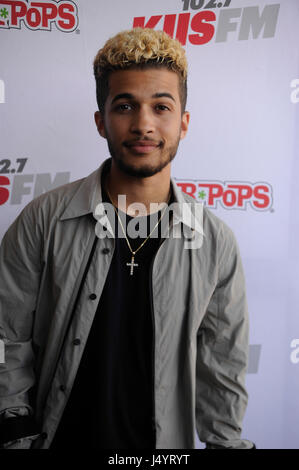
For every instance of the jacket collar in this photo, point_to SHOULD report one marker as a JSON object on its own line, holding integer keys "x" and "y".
{"x": 185, "y": 209}
{"x": 87, "y": 197}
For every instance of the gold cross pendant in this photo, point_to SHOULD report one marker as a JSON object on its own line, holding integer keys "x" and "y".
{"x": 132, "y": 265}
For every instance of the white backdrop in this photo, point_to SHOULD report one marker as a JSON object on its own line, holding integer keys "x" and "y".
{"x": 240, "y": 157}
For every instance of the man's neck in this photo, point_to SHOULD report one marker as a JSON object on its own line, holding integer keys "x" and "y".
{"x": 151, "y": 190}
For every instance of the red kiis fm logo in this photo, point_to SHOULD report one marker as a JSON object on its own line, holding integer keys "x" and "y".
{"x": 230, "y": 195}
{"x": 212, "y": 20}
{"x": 39, "y": 15}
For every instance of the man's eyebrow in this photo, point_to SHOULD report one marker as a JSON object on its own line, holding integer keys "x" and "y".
{"x": 129, "y": 96}
{"x": 163, "y": 95}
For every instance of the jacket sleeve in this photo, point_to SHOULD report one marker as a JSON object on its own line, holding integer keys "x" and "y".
{"x": 20, "y": 267}
{"x": 222, "y": 354}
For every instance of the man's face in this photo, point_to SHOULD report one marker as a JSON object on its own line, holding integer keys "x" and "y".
{"x": 143, "y": 123}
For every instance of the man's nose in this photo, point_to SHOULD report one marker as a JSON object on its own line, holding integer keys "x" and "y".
{"x": 143, "y": 122}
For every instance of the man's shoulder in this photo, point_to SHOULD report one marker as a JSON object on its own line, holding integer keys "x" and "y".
{"x": 53, "y": 203}
{"x": 64, "y": 192}
{"x": 213, "y": 226}
{"x": 41, "y": 216}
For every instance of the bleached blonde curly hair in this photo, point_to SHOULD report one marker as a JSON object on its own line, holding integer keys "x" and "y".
{"x": 139, "y": 48}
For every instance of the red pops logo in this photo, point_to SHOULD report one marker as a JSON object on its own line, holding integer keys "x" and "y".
{"x": 39, "y": 15}
{"x": 230, "y": 195}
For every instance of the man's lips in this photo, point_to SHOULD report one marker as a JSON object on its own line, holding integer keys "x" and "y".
{"x": 142, "y": 146}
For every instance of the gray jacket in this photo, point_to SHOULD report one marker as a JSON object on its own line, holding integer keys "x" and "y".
{"x": 199, "y": 306}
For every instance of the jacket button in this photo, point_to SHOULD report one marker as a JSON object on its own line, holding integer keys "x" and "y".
{"x": 44, "y": 435}
{"x": 76, "y": 341}
{"x": 62, "y": 388}
{"x": 92, "y": 296}
{"x": 105, "y": 251}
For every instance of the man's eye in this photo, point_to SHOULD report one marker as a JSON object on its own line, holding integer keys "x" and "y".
{"x": 162, "y": 107}
{"x": 124, "y": 107}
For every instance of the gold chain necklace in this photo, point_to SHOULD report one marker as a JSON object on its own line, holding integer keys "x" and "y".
{"x": 132, "y": 265}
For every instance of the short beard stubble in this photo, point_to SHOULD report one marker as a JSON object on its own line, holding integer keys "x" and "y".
{"x": 144, "y": 171}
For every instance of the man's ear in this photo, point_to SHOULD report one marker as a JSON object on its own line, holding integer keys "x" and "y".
{"x": 184, "y": 124}
{"x": 99, "y": 120}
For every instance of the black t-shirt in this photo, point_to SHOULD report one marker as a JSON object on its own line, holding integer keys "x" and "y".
{"x": 112, "y": 401}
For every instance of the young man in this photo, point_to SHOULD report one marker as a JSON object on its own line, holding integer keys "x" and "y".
{"x": 113, "y": 341}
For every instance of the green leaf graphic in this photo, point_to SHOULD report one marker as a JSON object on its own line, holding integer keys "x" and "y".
{"x": 3, "y": 13}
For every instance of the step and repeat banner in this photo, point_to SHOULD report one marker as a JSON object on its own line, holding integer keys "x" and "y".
{"x": 240, "y": 157}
